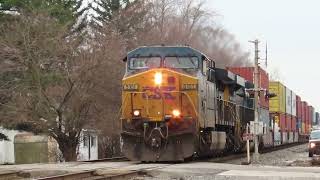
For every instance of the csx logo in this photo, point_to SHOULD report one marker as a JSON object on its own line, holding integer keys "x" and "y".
{"x": 158, "y": 92}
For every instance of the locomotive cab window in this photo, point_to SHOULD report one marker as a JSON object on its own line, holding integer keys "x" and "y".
{"x": 144, "y": 63}
{"x": 204, "y": 67}
{"x": 181, "y": 62}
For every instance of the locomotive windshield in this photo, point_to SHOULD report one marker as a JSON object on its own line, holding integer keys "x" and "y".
{"x": 145, "y": 63}
{"x": 181, "y": 62}
{"x": 186, "y": 64}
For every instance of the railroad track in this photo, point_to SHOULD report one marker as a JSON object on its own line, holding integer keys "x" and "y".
{"x": 95, "y": 175}
{"x": 115, "y": 174}
{"x": 225, "y": 158}
{"x": 114, "y": 159}
{"x": 9, "y": 175}
{"x": 283, "y": 146}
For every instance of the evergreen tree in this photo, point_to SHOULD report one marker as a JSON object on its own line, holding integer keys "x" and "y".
{"x": 60, "y": 9}
{"x": 109, "y": 10}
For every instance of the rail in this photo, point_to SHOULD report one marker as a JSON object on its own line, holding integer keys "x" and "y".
{"x": 9, "y": 175}
{"x": 113, "y": 159}
{"x": 229, "y": 157}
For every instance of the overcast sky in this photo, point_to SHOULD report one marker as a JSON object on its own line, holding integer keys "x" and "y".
{"x": 292, "y": 30}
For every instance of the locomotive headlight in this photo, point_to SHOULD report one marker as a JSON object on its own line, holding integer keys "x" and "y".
{"x": 312, "y": 145}
{"x": 136, "y": 113}
{"x": 158, "y": 78}
{"x": 176, "y": 113}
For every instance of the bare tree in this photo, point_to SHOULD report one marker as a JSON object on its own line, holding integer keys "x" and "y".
{"x": 52, "y": 87}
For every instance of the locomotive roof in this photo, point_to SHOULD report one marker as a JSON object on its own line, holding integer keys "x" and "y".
{"x": 164, "y": 51}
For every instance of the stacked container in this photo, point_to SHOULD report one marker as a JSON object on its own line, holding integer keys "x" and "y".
{"x": 312, "y": 118}
{"x": 299, "y": 114}
{"x": 308, "y": 119}
{"x": 294, "y": 112}
{"x": 278, "y": 109}
{"x": 304, "y": 106}
{"x": 313, "y": 114}
{"x": 289, "y": 108}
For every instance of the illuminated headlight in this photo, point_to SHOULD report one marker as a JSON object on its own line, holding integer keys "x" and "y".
{"x": 136, "y": 113}
{"x": 158, "y": 78}
{"x": 312, "y": 145}
{"x": 189, "y": 87}
{"x": 176, "y": 113}
{"x": 130, "y": 87}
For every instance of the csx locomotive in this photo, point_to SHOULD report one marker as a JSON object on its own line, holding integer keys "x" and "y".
{"x": 176, "y": 104}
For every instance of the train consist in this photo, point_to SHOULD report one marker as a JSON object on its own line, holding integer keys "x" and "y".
{"x": 177, "y": 104}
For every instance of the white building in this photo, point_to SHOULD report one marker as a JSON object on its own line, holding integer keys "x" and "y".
{"x": 87, "y": 150}
{"x": 88, "y": 146}
{"x": 7, "y": 147}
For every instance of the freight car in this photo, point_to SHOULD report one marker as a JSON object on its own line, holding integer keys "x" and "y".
{"x": 177, "y": 104}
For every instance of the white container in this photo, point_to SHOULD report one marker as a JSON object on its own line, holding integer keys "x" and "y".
{"x": 277, "y": 138}
{"x": 294, "y": 104}
{"x": 296, "y": 137}
{"x": 288, "y": 101}
{"x": 267, "y": 139}
{"x": 291, "y": 138}
{"x": 284, "y": 137}
{"x": 264, "y": 116}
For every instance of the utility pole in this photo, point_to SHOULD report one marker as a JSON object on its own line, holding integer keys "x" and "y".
{"x": 256, "y": 98}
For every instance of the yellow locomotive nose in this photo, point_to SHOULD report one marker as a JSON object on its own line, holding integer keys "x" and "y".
{"x": 158, "y": 93}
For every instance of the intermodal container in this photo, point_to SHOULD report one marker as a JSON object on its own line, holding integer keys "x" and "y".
{"x": 299, "y": 107}
{"x": 291, "y": 137}
{"x": 288, "y": 122}
{"x": 299, "y": 126}
{"x": 294, "y": 124}
{"x": 279, "y": 120}
{"x": 278, "y": 103}
{"x": 311, "y": 115}
{"x": 288, "y": 101}
{"x": 309, "y": 119}
{"x": 306, "y": 118}
{"x": 294, "y": 104}
{"x": 264, "y": 116}
{"x": 285, "y": 137}
{"x": 304, "y": 106}
{"x": 303, "y": 128}
{"x": 248, "y": 74}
